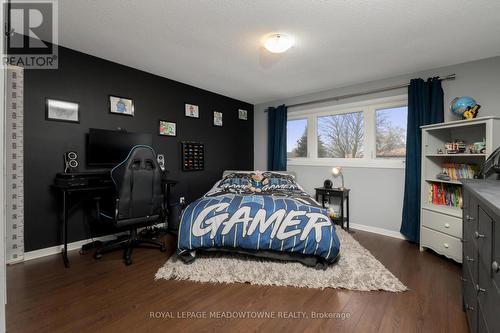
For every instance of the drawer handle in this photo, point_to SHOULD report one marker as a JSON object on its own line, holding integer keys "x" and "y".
{"x": 446, "y": 225}
{"x": 469, "y": 218}
{"x": 469, "y": 259}
{"x": 468, "y": 307}
{"x": 446, "y": 245}
{"x": 463, "y": 279}
{"x": 479, "y": 289}
{"x": 478, "y": 235}
{"x": 495, "y": 267}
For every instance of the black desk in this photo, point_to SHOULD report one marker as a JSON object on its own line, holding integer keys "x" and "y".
{"x": 66, "y": 192}
{"x": 343, "y": 194}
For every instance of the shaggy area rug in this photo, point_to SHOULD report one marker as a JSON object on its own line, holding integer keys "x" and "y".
{"x": 357, "y": 269}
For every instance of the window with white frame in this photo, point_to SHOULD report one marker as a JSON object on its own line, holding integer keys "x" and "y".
{"x": 341, "y": 135}
{"x": 371, "y": 133}
{"x": 296, "y": 140}
{"x": 390, "y": 127}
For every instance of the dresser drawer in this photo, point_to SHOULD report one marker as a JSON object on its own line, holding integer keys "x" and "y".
{"x": 440, "y": 222}
{"x": 470, "y": 303}
{"x": 484, "y": 238}
{"x": 470, "y": 261}
{"x": 446, "y": 245}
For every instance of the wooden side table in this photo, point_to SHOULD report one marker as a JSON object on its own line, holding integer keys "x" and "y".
{"x": 326, "y": 194}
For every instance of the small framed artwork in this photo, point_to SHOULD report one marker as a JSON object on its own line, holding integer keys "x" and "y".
{"x": 218, "y": 119}
{"x": 121, "y": 105}
{"x": 57, "y": 110}
{"x": 242, "y": 114}
{"x": 167, "y": 128}
{"x": 192, "y": 111}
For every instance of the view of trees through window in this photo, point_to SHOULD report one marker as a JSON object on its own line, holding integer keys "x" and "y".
{"x": 391, "y": 132}
{"x": 296, "y": 139}
{"x": 341, "y": 135}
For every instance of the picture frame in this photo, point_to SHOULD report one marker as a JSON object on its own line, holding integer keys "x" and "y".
{"x": 191, "y": 111}
{"x": 242, "y": 114}
{"x": 218, "y": 119}
{"x": 167, "y": 128}
{"x": 121, "y": 105}
{"x": 64, "y": 111}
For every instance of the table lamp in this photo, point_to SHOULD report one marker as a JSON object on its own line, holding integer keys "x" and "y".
{"x": 336, "y": 172}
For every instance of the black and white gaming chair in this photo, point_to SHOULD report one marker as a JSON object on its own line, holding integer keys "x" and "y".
{"x": 138, "y": 202}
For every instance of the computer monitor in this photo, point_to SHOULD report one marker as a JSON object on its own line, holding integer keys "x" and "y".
{"x": 108, "y": 147}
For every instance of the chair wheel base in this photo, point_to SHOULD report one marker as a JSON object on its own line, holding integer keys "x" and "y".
{"x": 97, "y": 256}
{"x": 128, "y": 261}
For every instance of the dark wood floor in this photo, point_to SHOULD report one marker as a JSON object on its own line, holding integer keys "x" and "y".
{"x": 107, "y": 296}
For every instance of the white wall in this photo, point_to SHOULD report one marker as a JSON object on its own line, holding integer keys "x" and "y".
{"x": 377, "y": 193}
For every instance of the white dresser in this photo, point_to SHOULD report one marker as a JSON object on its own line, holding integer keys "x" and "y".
{"x": 441, "y": 225}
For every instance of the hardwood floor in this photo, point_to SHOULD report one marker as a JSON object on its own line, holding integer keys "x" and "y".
{"x": 107, "y": 296}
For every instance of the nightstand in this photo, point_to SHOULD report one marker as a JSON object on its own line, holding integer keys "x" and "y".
{"x": 326, "y": 194}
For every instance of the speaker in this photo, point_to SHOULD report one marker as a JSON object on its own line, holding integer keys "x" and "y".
{"x": 70, "y": 161}
{"x": 161, "y": 161}
{"x": 327, "y": 183}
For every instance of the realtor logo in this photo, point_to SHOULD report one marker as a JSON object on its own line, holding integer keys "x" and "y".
{"x": 31, "y": 31}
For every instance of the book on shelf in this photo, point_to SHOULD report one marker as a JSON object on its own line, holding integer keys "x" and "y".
{"x": 458, "y": 171}
{"x": 446, "y": 195}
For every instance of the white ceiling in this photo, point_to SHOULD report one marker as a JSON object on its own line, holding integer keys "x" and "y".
{"x": 217, "y": 44}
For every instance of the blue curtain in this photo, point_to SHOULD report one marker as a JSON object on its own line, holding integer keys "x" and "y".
{"x": 276, "y": 138}
{"x": 425, "y": 106}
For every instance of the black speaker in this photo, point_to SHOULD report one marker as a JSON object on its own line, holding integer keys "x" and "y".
{"x": 70, "y": 161}
{"x": 161, "y": 161}
{"x": 327, "y": 183}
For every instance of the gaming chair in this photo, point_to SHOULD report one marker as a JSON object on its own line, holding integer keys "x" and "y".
{"x": 138, "y": 203}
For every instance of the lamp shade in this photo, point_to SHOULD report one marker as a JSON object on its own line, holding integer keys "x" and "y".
{"x": 336, "y": 171}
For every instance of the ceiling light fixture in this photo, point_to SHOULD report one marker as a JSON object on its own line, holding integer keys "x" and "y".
{"x": 278, "y": 43}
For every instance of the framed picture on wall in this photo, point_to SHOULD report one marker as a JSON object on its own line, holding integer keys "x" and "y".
{"x": 121, "y": 105}
{"x": 242, "y": 114}
{"x": 57, "y": 110}
{"x": 217, "y": 119}
{"x": 192, "y": 111}
{"x": 167, "y": 128}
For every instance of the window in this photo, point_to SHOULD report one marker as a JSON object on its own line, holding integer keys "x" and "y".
{"x": 391, "y": 132}
{"x": 361, "y": 134}
{"x": 341, "y": 135}
{"x": 296, "y": 141}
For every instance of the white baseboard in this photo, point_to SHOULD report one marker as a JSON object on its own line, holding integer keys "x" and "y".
{"x": 376, "y": 230}
{"x": 77, "y": 245}
{"x": 58, "y": 248}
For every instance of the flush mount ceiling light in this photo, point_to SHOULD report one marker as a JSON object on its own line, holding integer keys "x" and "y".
{"x": 278, "y": 43}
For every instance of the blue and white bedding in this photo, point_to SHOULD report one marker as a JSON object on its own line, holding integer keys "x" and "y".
{"x": 258, "y": 212}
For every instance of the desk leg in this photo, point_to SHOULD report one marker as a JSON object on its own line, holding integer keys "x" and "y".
{"x": 342, "y": 212}
{"x": 348, "y": 215}
{"x": 65, "y": 229}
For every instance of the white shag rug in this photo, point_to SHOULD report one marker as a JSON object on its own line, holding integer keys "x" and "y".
{"x": 357, "y": 269}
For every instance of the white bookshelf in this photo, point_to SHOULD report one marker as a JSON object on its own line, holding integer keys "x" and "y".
{"x": 441, "y": 226}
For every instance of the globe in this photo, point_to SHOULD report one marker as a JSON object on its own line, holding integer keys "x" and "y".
{"x": 460, "y": 104}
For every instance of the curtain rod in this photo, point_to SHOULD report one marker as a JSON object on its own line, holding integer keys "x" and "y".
{"x": 367, "y": 92}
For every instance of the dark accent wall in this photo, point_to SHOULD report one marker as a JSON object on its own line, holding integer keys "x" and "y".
{"x": 89, "y": 80}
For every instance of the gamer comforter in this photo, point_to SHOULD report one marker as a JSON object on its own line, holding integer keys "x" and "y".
{"x": 258, "y": 212}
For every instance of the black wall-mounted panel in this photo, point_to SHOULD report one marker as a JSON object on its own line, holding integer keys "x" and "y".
{"x": 89, "y": 81}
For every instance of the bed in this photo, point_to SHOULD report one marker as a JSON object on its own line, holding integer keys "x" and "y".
{"x": 264, "y": 214}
